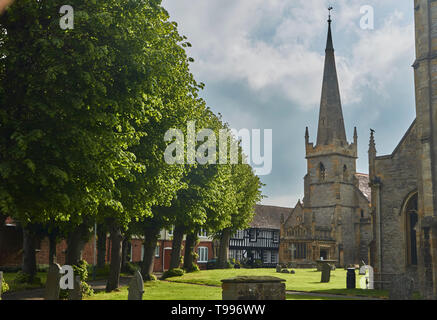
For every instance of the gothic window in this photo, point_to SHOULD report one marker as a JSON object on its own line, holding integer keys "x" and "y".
{"x": 322, "y": 171}
{"x": 411, "y": 222}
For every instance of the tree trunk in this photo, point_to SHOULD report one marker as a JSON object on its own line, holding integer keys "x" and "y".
{"x": 115, "y": 267}
{"x": 124, "y": 253}
{"x": 178, "y": 236}
{"x": 223, "y": 255}
{"x": 29, "y": 254}
{"x": 151, "y": 236}
{"x": 190, "y": 243}
{"x": 101, "y": 245}
{"x": 52, "y": 249}
{"x": 75, "y": 242}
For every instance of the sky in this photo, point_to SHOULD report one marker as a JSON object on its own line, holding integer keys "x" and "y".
{"x": 262, "y": 64}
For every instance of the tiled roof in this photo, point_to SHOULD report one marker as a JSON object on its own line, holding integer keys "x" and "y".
{"x": 363, "y": 184}
{"x": 269, "y": 217}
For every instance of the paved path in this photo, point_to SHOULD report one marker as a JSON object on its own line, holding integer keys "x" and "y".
{"x": 328, "y": 295}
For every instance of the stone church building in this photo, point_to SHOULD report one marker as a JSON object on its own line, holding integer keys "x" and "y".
{"x": 404, "y": 183}
{"x": 333, "y": 222}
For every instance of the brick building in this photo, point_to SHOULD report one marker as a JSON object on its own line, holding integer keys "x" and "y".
{"x": 11, "y": 243}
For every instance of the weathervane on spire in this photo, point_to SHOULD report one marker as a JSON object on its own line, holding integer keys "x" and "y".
{"x": 329, "y": 9}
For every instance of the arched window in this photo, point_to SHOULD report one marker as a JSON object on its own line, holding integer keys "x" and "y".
{"x": 411, "y": 218}
{"x": 322, "y": 171}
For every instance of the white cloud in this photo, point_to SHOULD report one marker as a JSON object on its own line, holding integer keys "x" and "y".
{"x": 227, "y": 46}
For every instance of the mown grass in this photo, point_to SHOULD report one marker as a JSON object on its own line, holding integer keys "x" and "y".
{"x": 164, "y": 290}
{"x": 15, "y": 286}
{"x": 305, "y": 280}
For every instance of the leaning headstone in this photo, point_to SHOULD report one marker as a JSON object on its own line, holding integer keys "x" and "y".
{"x": 326, "y": 273}
{"x": 285, "y": 271}
{"x": 278, "y": 268}
{"x": 76, "y": 292}
{"x": 136, "y": 287}
{"x": 1, "y": 283}
{"x": 52, "y": 284}
{"x": 401, "y": 287}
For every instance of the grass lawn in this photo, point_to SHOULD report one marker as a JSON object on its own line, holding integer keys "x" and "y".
{"x": 13, "y": 286}
{"x": 306, "y": 280}
{"x": 163, "y": 290}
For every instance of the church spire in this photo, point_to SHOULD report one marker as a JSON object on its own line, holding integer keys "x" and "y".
{"x": 331, "y": 125}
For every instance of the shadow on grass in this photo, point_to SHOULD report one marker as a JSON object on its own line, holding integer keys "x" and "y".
{"x": 382, "y": 294}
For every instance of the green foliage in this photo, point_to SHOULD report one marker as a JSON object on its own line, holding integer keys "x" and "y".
{"x": 22, "y": 277}
{"x": 193, "y": 268}
{"x": 176, "y": 272}
{"x": 130, "y": 268}
{"x": 149, "y": 277}
{"x": 5, "y": 286}
{"x": 81, "y": 269}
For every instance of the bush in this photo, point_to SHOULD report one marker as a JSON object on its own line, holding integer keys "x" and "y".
{"x": 5, "y": 286}
{"x": 193, "y": 268}
{"x": 22, "y": 277}
{"x": 42, "y": 268}
{"x": 81, "y": 269}
{"x": 229, "y": 265}
{"x": 176, "y": 272}
{"x": 130, "y": 268}
{"x": 149, "y": 277}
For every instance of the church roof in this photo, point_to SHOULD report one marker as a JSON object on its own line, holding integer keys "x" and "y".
{"x": 269, "y": 217}
{"x": 331, "y": 124}
{"x": 363, "y": 184}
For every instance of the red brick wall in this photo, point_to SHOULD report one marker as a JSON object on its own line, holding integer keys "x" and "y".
{"x": 13, "y": 257}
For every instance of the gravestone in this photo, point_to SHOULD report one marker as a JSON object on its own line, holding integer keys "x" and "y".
{"x": 401, "y": 287}
{"x": 293, "y": 272}
{"x": 285, "y": 271}
{"x": 136, "y": 287}
{"x": 351, "y": 278}
{"x": 52, "y": 284}
{"x": 1, "y": 283}
{"x": 76, "y": 292}
{"x": 278, "y": 268}
{"x": 326, "y": 273}
{"x": 253, "y": 288}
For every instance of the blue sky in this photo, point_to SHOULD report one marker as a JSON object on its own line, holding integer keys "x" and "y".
{"x": 262, "y": 63}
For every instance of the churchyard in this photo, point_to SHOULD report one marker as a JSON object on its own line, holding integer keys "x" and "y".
{"x": 303, "y": 284}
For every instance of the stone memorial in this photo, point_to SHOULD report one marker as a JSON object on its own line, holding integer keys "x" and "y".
{"x": 278, "y": 268}
{"x": 351, "y": 278}
{"x": 401, "y": 287}
{"x": 76, "y": 292}
{"x": 253, "y": 288}
{"x": 326, "y": 273}
{"x": 52, "y": 289}
{"x": 136, "y": 287}
{"x": 285, "y": 271}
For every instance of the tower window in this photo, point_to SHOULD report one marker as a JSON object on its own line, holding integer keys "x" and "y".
{"x": 322, "y": 171}
{"x": 345, "y": 174}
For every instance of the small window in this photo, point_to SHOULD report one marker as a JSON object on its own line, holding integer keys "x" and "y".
{"x": 322, "y": 171}
{"x": 362, "y": 213}
{"x": 157, "y": 251}
{"x": 252, "y": 235}
{"x": 275, "y": 236}
{"x": 203, "y": 254}
{"x": 202, "y": 233}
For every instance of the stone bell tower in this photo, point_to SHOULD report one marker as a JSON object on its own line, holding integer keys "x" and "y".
{"x": 330, "y": 183}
